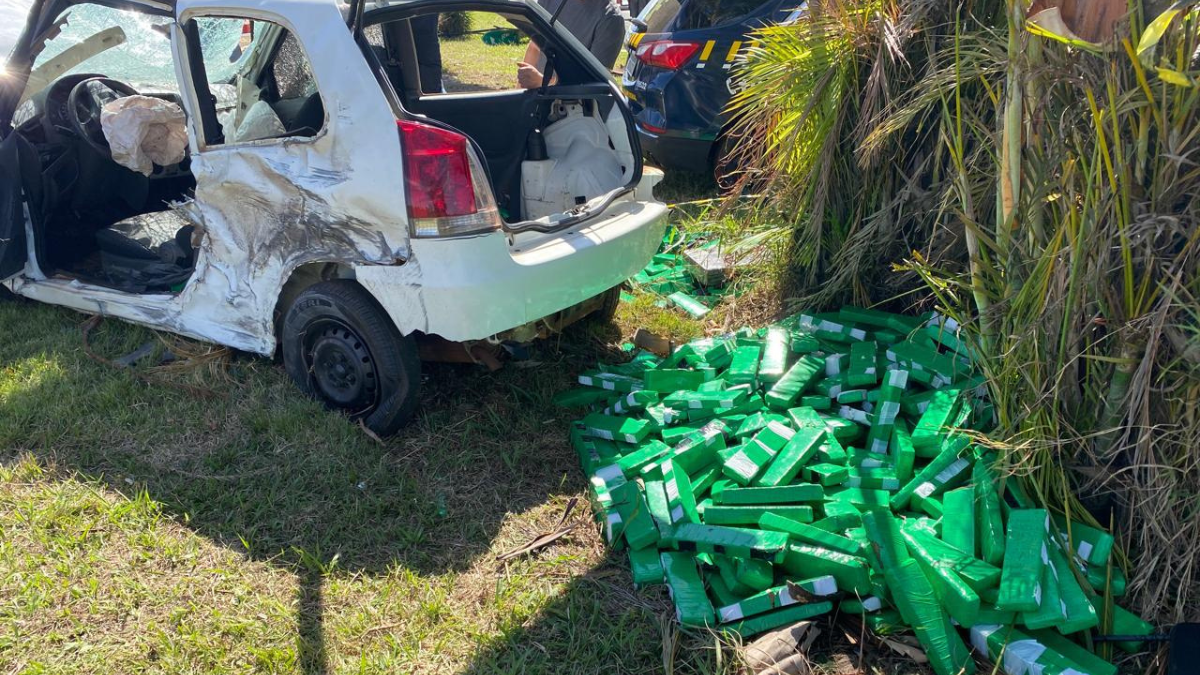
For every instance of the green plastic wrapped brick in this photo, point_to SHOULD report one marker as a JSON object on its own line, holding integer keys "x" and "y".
{"x": 688, "y": 304}
{"x": 625, "y": 429}
{"x": 928, "y": 476}
{"x": 750, "y": 515}
{"x": 979, "y": 575}
{"x": 1078, "y": 611}
{"x": 826, "y": 474}
{"x": 752, "y": 573}
{"x": 581, "y": 397}
{"x": 796, "y": 453}
{"x": 638, "y": 525}
{"x": 914, "y": 597}
{"x": 990, "y": 528}
{"x": 935, "y": 422}
{"x": 1021, "y": 575}
{"x": 744, "y": 367}
{"x": 612, "y": 382}
{"x": 742, "y": 464}
{"x": 851, "y": 572}
{"x": 958, "y": 523}
{"x": 807, "y": 534}
{"x": 646, "y": 564}
{"x": 775, "y": 355}
{"x": 776, "y": 598}
{"x": 887, "y": 543}
{"x": 1090, "y": 663}
{"x": 692, "y": 606}
{"x": 669, "y": 380}
{"x": 783, "y": 617}
{"x": 793, "y": 383}
{"x": 955, "y": 596}
{"x": 706, "y": 400}
{"x": 1091, "y": 544}
{"x": 735, "y": 541}
{"x": 780, "y": 495}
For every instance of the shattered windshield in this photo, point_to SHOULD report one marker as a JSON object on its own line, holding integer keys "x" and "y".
{"x": 122, "y": 44}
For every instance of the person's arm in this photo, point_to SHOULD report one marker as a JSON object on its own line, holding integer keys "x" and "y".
{"x": 528, "y": 75}
{"x": 610, "y": 34}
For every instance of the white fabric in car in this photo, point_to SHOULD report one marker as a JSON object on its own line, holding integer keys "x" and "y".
{"x": 143, "y": 131}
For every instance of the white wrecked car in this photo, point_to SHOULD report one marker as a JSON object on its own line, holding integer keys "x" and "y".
{"x": 341, "y": 198}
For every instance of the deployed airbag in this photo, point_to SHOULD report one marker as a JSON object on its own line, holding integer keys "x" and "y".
{"x": 143, "y": 131}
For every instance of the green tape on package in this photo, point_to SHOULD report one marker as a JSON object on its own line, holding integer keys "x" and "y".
{"x": 1078, "y": 611}
{"x": 1089, "y": 663}
{"x": 1091, "y": 544}
{"x": 775, "y": 355}
{"x": 637, "y": 524}
{"x": 776, "y": 598}
{"x": 914, "y": 597}
{"x": 669, "y": 380}
{"x": 935, "y": 422}
{"x": 745, "y": 462}
{"x": 990, "y": 532}
{"x": 798, "y": 451}
{"x": 958, "y": 522}
{"x": 958, "y": 599}
{"x": 692, "y": 607}
{"x": 1021, "y": 575}
{"x": 1019, "y": 652}
{"x": 743, "y": 369}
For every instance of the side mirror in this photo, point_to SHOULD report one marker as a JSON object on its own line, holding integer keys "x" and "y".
{"x": 639, "y": 26}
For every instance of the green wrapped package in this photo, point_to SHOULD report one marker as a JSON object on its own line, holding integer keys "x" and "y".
{"x": 884, "y": 622}
{"x": 775, "y": 598}
{"x": 744, "y": 367}
{"x": 1051, "y": 611}
{"x": 1091, "y": 544}
{"x": 958, "y": 523}
{"x": 735, "y": 541}
{"x": 826, "y": 474}
{"x": 632, "y": 464}
{"x": 637, "y": 524}
{"x": 914, "y": 597}
{"x": 935, "y": 422}
{"x": 855, "y": 606}
{"x": 720, "y": 591}
{"x": 793, "y": 383}
{"x": 775, "y": 435}
{"x": 727, "y": 570}
{"x": 775, "y": 355}
{"x": 1090, "y": 663}
{"x": 980, "y": 576}
{"x": 959, "y": 600}
{"x": 887, "y": 543}
{"x": 1125, "y": 622}
{"x": 902, "y": 451}
{"x": 752, "y": 573}
{"x": 749, "y": 515}
{"x": 646, "y": 564}
{"x": 625, "y": 429}
{"x": 669, "y": 380}
{"x": 873, "y": 478}
{"x": 742, "y": 464}
{"x": 928, "y": 476}
{"x": 990, "y": 528}
{"x": 1078, "y": 611}
{"x": 612, "y": 382}
{"x": 632, "y": 402}
{"x": 816, "y": 402}
{"x": 851, "y": 572}
{"x": 831, "y": 329}
{"x": 783, "y": 617}
{"x": 692, "y": 607}
{"x": 798, "y": 450}
{"x": 783, "y": 494}
{"x": 1020, "y": 653}
{"x": 688, "y": 304}
{"x": 680, "y": 499}
{"x": 1021, "y": 575}
{"x": 883, "y": 418}
{"x": 756, "y": 422}
{"x": 706, "y": 400}
{"x": 659, "y": 507}
{"x": 862, "y": 365}
{"x": 859, "y": 497}
{"x": 807, "y": 534}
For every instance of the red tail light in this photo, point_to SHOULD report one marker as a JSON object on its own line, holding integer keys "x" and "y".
{"x": 445, "y": 197}
{"x": 667, "y": 53}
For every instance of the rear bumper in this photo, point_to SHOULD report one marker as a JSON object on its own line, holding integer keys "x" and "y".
{"x": 677, "y": 153}
{"x": 475, "y": 288}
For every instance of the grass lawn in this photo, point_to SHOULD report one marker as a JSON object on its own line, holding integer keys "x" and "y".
{"x": 251, "y": 531}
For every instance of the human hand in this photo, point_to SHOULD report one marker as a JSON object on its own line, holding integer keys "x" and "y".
{"x": 528, "y": 77}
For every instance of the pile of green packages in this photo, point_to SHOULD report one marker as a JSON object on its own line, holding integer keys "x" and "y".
{"x": 669, "y": 275}
{"x": 767, "y": 476}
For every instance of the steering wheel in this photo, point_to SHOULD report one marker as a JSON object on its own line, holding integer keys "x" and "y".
{"x": 84, "y": 104}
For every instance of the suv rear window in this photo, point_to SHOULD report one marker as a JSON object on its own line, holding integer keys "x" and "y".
{"x": 668, "y": 16}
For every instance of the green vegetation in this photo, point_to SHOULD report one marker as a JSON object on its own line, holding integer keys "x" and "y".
{"x": 468, "y": 64}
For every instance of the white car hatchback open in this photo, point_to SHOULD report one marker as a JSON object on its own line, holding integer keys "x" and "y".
{"x": 292, "y": 177}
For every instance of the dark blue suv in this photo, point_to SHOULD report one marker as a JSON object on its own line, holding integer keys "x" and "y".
{"x": 677, "y": 76}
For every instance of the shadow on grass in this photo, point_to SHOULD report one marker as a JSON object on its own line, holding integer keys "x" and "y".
{"x": 267, "y": 473}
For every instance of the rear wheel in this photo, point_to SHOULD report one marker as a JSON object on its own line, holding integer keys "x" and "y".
{"x": 341, "y": 348}
{"x": 610, "y": 301}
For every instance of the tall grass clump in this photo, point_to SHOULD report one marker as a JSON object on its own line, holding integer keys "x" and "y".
{"x": 1042, "y": 192}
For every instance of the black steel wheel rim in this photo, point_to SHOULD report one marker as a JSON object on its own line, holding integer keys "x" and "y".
{"x": 342, "y": 369}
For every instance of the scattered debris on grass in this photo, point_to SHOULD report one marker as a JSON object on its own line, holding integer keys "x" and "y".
{"x": 766, "y": 475}
{"x": 692, "y": 270}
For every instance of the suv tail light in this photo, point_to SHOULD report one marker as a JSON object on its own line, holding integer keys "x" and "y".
{"x": 667, "y": 53}
{"x": 447, "y": 195}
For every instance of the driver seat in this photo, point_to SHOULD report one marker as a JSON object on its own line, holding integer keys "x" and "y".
{"x": 151, "y": 250}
